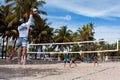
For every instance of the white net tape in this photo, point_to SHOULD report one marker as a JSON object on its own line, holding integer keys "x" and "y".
{"x": 75, "y": 47}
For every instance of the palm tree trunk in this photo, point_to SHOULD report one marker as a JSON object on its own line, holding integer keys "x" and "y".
{"x": 41, "y": 55}
{"x": 6, "y": 47}
{"x": 3, "y": 49}
{"x": 14, "y": 43}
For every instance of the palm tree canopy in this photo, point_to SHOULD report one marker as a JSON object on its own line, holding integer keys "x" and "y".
{"x": 63, "y": 34}
{"x": 21, "y": 8}
{"x": 86, "y": 32}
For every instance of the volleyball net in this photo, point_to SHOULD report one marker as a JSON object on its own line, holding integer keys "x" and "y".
{"x": 97, "y": 46}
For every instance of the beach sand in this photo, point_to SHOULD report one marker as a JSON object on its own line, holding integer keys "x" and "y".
{"x": 83, "y": 71}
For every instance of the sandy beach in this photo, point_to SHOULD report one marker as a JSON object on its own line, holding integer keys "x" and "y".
{"x": 83, "y": 71}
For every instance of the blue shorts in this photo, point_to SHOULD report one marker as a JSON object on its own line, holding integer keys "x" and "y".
{"x": 66, "y": 60}
{"x": 22, "y": 41}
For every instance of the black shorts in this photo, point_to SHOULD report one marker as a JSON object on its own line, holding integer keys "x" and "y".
{"x": 73, "y": 61}
{"x": 95, "y": 61}
{"x": 66, "y": 61}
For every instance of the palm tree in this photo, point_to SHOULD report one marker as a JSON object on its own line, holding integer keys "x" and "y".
{"x": 86, "y": 33}
{"x": 4, "y": 30}
{"x": 63, "y": 35}
{"x": 22, "y": 7}
{"x": 76, "y": 36}
{"x": 44, "y": 34}
{"x": 15, "y": 9}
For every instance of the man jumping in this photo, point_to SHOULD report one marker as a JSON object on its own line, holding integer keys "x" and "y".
{"x": 23, "y": 30}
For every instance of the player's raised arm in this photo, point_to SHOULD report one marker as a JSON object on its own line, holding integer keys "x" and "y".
{"x": 32, "y": 12}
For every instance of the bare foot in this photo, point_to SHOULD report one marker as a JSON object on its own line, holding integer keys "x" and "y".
{"x": 8, "y": 61}
{"x": 21, "y": 62}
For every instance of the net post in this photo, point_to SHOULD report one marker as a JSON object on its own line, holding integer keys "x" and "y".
{"x": 117, "y": 45}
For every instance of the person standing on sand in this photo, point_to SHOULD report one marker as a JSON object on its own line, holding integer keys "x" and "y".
{"x": 95, "y": 60}
{"x": 23, "y": 30}
{"x": 67, "y": 60}
{"x": 73, "y": 62}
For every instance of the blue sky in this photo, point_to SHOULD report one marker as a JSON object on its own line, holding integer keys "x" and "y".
{"x": 105, "y": 15}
